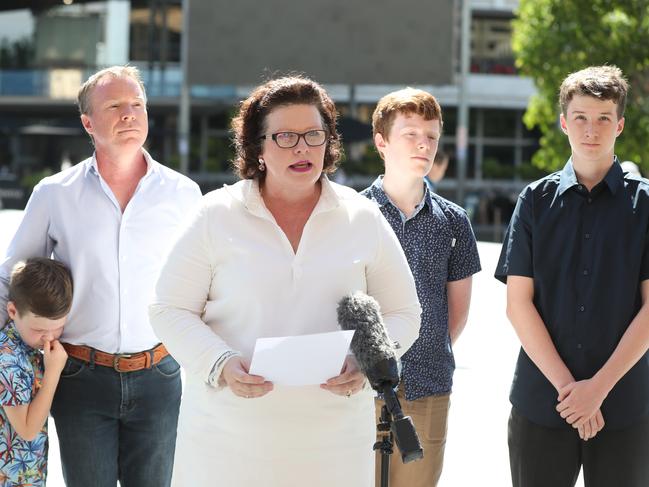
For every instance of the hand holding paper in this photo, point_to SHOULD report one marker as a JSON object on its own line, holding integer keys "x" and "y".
{"x": 301, "y": 360}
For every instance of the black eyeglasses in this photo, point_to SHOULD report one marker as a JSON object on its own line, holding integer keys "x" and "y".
{"x": 287, "y": 140}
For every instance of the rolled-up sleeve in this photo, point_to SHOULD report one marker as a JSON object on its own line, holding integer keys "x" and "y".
{"x": 390, "y": 282}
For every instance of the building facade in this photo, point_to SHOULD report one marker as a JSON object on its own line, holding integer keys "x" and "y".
{"x": 360, "y": 50}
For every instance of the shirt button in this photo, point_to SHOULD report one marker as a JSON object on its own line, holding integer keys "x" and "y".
{"x": 585, "y": 272}
{"x": 579, "y": 346}
{"x": 590, "y": 200}
{"x": 587, "y": 235}
{"x": 582, "y": 308}
{"x": 580, "y": 187}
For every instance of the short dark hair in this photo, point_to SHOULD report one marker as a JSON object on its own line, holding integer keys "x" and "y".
{"x": 41, "y": 286}
{"x": 249, "y": 124}
{"x": 601, "y": 82}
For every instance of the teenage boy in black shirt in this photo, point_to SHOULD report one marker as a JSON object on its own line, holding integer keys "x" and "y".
{"x": 576, "y": 263}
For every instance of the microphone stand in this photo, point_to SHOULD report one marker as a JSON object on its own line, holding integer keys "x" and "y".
{"x": 385, "y": 445}
{"x": 393, "y": 425}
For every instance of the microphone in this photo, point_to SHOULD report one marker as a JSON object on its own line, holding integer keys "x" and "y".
{"x": 371, "y": 346}
{"x": 377, "y": 359}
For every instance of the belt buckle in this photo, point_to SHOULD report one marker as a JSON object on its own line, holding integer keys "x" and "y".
{"x": 116, "y": 359}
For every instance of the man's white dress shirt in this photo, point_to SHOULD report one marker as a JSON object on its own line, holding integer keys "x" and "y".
{"x": 114, "y": 257}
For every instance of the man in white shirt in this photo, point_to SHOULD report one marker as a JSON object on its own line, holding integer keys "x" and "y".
{"x": 111, "y": 219}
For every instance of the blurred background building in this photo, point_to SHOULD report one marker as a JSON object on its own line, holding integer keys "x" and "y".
{"x": 360, "y": 50}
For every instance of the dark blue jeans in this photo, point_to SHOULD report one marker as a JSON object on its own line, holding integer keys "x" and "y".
{"x": 117, "y": 426}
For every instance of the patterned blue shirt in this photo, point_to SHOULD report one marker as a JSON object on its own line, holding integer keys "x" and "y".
{"x": 440, "y": 246}
{"x": 21, "y": 372}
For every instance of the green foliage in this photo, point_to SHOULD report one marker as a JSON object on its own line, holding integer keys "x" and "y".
{"x": 493, "y": 169}
{"x": 552, "y": 38}
{"x": 221, "y": 153}
{"x": 31, "y": 179}
{"x": 370, "y": 164}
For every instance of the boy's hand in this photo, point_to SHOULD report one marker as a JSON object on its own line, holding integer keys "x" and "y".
{"x": 591, "y": 427}
{"x": 579, "y": 401}
{"x": 54, "y": 356}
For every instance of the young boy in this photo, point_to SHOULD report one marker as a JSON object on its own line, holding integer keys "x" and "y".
{"x": 40, "y": 296}
{"x": 438, "y": 241}
{"x": 576, "y": 262}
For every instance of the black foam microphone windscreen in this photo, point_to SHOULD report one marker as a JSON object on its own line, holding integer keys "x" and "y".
{"x": 375, "y": 355}
{"x": 371, "y": 345}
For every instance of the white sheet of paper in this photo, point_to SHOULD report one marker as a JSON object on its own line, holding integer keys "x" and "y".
{"x": 301, "y": 360}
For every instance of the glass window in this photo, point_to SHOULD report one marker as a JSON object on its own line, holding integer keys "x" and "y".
{"x": 450, "y": 120}
{"x": 491, "y": 49}
{"x": 498, "y": 162}
{"x": 500, "y": 123}
{"x": 155, "y": 33}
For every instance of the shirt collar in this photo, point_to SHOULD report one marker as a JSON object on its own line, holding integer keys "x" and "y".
{"x": 248, "y": 193}
{"x": 11, "y": 332}
{"x": 152, "y": 167}
{"x": 614, "y": 177}
{"x": 383, "y": 199}
{"x": 568, "y": 177}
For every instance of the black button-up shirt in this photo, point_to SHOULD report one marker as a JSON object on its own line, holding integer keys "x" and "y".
{"x": 587, "y": 252}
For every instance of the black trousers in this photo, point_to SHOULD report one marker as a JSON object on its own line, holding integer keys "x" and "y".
{"x": 549, "y": 457}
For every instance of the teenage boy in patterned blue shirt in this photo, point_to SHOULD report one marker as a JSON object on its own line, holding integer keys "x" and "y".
{"x": 439, "y": 244}
{"x": 40, "y": 296}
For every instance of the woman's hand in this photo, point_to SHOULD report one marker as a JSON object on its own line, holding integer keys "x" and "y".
{"x": 241, "y": 383}
{"x": 350, "y": 381}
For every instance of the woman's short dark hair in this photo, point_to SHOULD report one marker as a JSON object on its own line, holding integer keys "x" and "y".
{"x": 250, "y": 123}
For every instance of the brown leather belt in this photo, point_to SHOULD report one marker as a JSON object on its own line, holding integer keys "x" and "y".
{"x": 121, "y": 362}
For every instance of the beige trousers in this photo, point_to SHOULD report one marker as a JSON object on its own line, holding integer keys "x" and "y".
{"x": 430, "y": 417}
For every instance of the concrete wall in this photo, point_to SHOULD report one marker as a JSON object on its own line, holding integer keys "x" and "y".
{"x": 335, "y": 41}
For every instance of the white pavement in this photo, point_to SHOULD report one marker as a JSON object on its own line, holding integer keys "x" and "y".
{"x": 485, "y": 355}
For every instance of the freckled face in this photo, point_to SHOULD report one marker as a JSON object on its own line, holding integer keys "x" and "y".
{"x": 411, "y": 144}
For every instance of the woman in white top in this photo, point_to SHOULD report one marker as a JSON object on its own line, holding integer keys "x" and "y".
{"x": 271, "y": 256}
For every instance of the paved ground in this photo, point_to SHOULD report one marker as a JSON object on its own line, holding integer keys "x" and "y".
{"x": 476, "y": 453}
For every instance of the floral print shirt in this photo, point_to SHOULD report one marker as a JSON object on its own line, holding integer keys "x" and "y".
{"x": 22, "y": 463}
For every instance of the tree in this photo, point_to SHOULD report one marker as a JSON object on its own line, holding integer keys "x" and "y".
{"x": 552, "y": 38}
